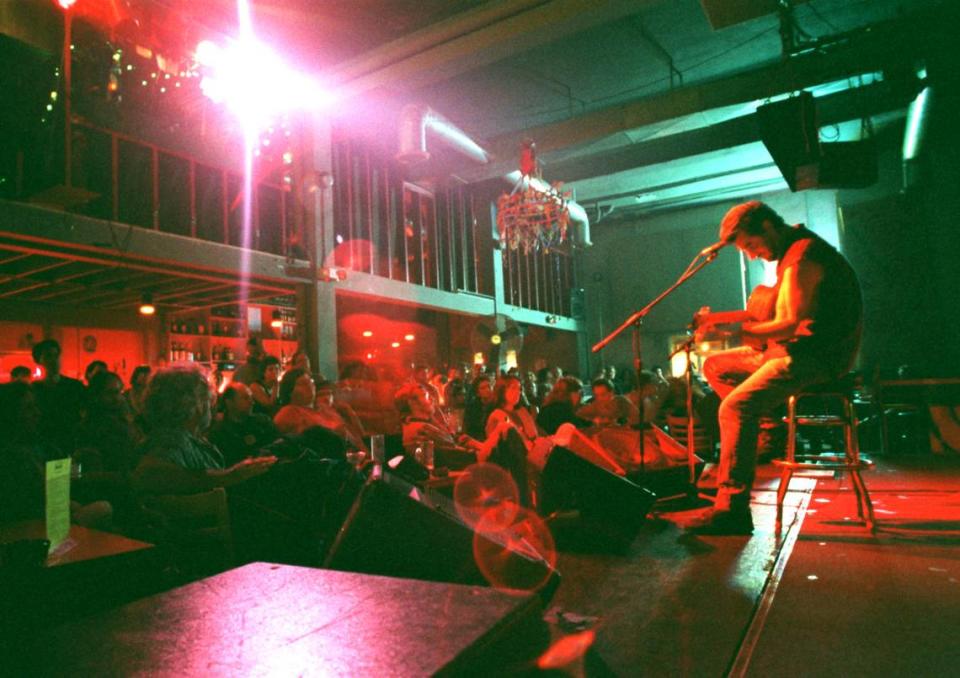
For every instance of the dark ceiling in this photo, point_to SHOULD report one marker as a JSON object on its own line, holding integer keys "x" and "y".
{"x": 636, "y": 104}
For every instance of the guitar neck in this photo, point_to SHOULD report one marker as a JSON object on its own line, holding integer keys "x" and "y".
{"x": 725, "y": 317}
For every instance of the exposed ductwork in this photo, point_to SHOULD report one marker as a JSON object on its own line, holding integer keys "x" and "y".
{"x": 417, "y": 120}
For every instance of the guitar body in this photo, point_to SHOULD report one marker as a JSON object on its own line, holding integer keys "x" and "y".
{"x": 761, "y": 306}
{"x": 762, "y": 303}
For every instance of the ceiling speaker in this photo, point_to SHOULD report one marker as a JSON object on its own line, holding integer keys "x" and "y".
{"x": 723, "y": 13}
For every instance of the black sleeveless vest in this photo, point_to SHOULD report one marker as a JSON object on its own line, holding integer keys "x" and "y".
{"x": 830, "y": 335}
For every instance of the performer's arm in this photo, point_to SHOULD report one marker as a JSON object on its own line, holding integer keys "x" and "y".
{"x": 794, "y": 304}
{"x": 723, "y": 318}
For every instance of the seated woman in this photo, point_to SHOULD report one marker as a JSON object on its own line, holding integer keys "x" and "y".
{"x": 286, "y": 511}
{"x": 266, "y": 387}
{"x": 508, "y": 412}
{"x": 297, "y": 414}
{"x": 417, "y": 411}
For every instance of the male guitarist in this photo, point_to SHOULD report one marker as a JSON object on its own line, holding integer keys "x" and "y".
{"x": 811, "y": 336}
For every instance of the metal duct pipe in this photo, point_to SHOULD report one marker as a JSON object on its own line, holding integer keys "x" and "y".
{"x": 416, "y": 120}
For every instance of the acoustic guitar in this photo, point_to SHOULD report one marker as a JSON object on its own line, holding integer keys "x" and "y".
{"x": 761, "y": 306}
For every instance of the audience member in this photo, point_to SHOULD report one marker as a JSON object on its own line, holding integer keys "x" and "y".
{"x": 94, "y": 368}
{"x": 21, "y": 373}
{"x": 107, "y": 445}
{"x": 297, "y": 414}
{"x": 250, "y": 370}
{"x": 266, "y": 387}
{"x": 287, "y": 511}
{"x": 241, "y": 432}
{"x": 417, "y": 408}
{"x": 108, "y": 437}
{"x": 60, "y": 398}
{"x": 509, "y": 412}
{"x": 560, "y": 405}
{"x": 300, "y": 360}
{"x": 531, "y": 393}
{"x": 608, "y": 408}
{"x": 350, "y": 428}
{"x": 176, "y": 459}
{"x": 23, "y": 456}
{"x": 479, "y": 404}
{"x": 138, "y": 388}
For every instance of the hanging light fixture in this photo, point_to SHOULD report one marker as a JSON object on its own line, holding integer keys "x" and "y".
{"x": 277, "y": 321}
{"x": 146, "y": 304}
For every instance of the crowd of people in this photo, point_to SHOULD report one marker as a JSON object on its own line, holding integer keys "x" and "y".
{"x": 284, "y": 441}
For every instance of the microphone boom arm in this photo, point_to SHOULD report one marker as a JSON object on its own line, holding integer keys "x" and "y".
{"x": 709, "y": 254}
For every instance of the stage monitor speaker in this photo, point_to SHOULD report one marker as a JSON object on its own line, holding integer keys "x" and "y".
{"x": 790, "y": 132}
{"x": 609, "y": 509}
{"x": 400, "y": 530}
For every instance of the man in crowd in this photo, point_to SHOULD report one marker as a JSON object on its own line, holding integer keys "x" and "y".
{"x": 241, "y": 433}
{"x": 607, "y": 408}
{"x": 59, "y": 398}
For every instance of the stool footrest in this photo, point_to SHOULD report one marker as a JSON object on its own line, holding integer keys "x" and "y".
{"x": 824, "y": 466}
{"x": 820, "y": 420}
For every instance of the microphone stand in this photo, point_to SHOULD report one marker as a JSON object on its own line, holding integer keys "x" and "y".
{"x": 635, "y": 320}
{"x": 687, "y": 348}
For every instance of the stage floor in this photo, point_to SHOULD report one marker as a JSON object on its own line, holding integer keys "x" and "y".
{"x": 825, "y": 598}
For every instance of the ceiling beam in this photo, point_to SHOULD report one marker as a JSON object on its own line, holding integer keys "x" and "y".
{"x": 493, "y": 32}
{"x": 863, "y": 52}
{"x": 831, "y": 109}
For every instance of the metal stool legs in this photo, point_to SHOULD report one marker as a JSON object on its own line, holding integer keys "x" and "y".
{"x": 850, "y": 462}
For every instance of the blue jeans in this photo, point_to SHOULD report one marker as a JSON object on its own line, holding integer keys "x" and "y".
{"x": 769, "y": 383}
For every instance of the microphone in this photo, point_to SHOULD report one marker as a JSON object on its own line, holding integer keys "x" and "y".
{"x": 714, "y": 248}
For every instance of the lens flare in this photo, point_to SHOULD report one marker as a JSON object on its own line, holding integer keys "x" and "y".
{"x": 483, "y": 487}
{"x": 254, "y": 83}
{"x": 516, "y": 555}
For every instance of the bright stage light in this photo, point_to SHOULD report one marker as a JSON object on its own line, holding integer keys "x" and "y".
{"x": 254, "y": 83}
{"x": 146, "y": 304}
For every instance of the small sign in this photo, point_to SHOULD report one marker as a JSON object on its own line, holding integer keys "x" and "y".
{"x": 57, "y": 510}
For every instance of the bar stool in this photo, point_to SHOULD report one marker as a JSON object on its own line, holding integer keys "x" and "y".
{"x": 850, "y": 461}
